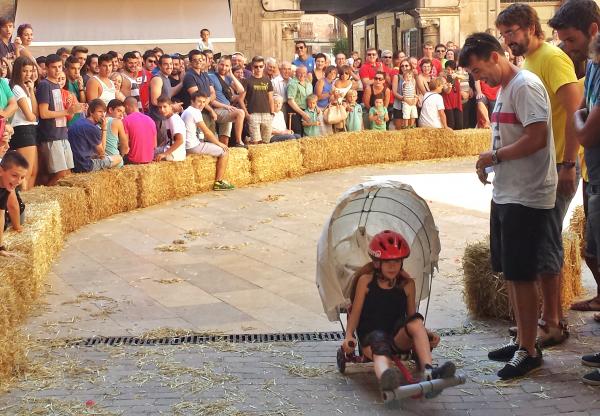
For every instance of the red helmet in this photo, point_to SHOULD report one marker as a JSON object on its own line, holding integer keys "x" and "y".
{"x": 388, "y": 245}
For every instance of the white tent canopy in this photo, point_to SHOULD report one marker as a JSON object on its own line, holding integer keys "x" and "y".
{"x": 362, "y": 212}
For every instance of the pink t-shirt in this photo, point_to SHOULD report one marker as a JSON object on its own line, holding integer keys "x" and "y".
{"x": 142, "y": 137}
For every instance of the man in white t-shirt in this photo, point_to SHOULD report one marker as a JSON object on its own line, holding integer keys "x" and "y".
{"x": 201, "y": 140}
{"x": 432, "y": 108}
{"x": 173, "y": 148}
{"x": 525, "y": 180}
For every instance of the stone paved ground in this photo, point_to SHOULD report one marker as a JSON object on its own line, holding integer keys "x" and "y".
{"x": 292, "y": 379}
{"x": 110, "y": 280}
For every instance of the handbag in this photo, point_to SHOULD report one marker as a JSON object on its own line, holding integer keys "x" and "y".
{"x": 335, "y": 114}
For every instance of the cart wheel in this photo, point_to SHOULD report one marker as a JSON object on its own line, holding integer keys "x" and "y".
{"x": 341, "y": 360}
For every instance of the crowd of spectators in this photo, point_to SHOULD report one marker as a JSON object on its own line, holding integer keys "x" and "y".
{"x": 76, "y": 111}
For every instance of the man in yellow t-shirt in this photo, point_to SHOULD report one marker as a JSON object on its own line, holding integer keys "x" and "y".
{"x": 520, "y": 27}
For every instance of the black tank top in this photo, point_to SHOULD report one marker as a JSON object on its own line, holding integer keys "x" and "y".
{"x": 376, "y": 96}
{"x": 384, "y": 309}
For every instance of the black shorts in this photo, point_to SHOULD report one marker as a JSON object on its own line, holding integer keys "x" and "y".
{"x": 24, "y": 136}
{"x": 397, "y": 114}
{"x": 516, "y": 232}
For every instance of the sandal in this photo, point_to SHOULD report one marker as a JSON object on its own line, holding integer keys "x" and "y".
{"x": 586, "y": 306}
{"x": 551, "y": 336}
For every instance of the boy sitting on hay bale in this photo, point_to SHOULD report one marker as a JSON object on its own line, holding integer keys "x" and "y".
{"x": 195, "y": 128}
{"x": 87, "y": 137}
{"x": 13, "y": 170}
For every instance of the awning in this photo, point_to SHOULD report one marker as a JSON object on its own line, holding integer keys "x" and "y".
{"x": 119, "y": 22}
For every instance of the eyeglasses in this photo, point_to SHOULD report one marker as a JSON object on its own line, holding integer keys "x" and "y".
{"x": 405, "y": 66}
{"x": 379, "y": 79}
{"x": 510, "y": 33}
{"x": 258, "y": 66}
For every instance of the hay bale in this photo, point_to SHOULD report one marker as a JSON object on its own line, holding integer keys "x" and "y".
{"x": 72, "y": 202}
{"x": 108, "y": 192}
{"x": 368, "y": 147}
{"x": 239, "y": 168}
{"x": 9, "y": 311}
{"x": 12, "y": 355}
{"x": 577, "y": 227}
{"x": 572, "y": 286}
{"x": 37, "y": 245}
{"x": 152, "y": 183}
{"x": 484, "y": 291}
{"x": 276, "y": 161}
{"x": 204, "y": 171}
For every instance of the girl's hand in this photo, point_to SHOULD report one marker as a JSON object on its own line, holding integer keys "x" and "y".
{"x": 434, "y": 339}
{"x": 349, "y": 345}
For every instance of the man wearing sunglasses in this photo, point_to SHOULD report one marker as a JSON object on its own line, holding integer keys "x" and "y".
{"x": 304, "y": 58}
{"x": 370, "y": 68}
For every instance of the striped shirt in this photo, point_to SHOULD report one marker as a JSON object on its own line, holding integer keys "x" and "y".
{"x": 409, "y": 89}
{"x": 135, "y": 89}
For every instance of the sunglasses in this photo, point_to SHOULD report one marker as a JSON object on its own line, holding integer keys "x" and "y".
{"x": 152, "y": 61}
{"x": 371, "y": 54}
{"x": 258, "y": 66}
{"x": 405, "y": 66}
{"x": 379, "y": 79}
{"x": 197, "y": 60}
{"x": 299, "y": 47}
{"x": 387, "y": 57}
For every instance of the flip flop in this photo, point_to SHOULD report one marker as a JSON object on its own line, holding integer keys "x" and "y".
{"x": 585, "y": 306}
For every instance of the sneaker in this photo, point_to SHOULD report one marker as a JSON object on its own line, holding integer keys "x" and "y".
{"x": 592, "y": 360}
{"x": 445, "y": 370}
{"x": 504, "y": 353}
{"x": 240, "y": 145}
{"x": 520, "y": 364}
{"x": 592, "y": 379}
{"x": 390, "y": 379}
{"x": 222, "y": 186}
{"x": 550, "y": 336}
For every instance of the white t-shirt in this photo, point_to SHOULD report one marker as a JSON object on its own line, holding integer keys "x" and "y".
{"x": 432, "y": 103}
{"x": 191, "y": 117}
{"x": 175, "y": 125}
{"x": 279, "y": 122}
{"x": 531, "y": 180}
{"x": 19, "y": 118}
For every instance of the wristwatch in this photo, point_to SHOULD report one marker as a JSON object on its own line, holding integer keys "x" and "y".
{"x": 568, "y": 164}
{"x": 495, "y": 159}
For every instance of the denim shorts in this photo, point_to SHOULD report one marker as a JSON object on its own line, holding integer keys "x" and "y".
{"x": 592, "y": 224}
{"x": 551, "y": 253}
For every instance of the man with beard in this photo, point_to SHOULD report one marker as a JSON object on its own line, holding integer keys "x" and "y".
{"x": 160, "y": 86}
{"x": 176, "y": 77}
{"x": 226, "y": 85}
{"x": 577, "y": 25}
{"x": 520, "y": 27}
{"x": 130, "y": 87}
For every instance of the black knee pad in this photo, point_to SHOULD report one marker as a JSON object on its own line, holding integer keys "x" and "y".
{"x": 380, "y": 343}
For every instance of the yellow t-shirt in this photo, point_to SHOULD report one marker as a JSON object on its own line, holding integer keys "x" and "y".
{"x": 555, "y": 69}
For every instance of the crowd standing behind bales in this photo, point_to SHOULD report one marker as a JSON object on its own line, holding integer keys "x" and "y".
{"x": 76, "y": 111}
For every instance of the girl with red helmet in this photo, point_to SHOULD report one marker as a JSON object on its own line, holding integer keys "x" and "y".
{"x": 384, "y": 314}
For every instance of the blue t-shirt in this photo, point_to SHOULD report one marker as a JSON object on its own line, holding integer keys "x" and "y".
{"x": 219, "y": 88}
{"x": 592, "y": 99}
{"x": 84, "y": 137}
{"x": 193, "y": 79}
{"x": 51, "y": 128}
{"x": 309, "y": 63}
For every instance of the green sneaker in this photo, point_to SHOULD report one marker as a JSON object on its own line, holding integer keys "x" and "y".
{"x": 223, "y": 186}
